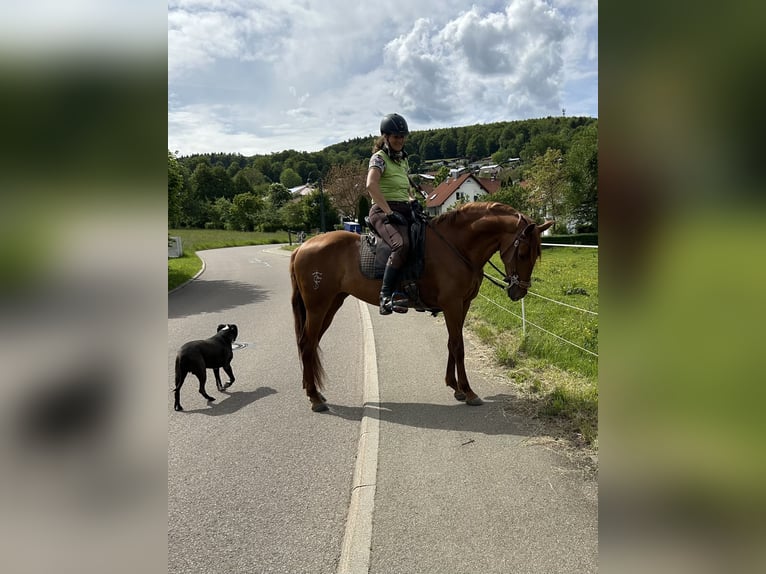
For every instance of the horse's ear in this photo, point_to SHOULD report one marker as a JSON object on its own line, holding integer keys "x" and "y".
{"x": 545, "y": 226}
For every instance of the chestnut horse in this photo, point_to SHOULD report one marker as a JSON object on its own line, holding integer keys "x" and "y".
{"x": 326, "y": 269}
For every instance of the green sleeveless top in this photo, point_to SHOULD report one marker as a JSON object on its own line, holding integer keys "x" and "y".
{"x": 394, "y": 183}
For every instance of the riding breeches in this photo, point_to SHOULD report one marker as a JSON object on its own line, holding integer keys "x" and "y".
{"x": 395, "y": 236}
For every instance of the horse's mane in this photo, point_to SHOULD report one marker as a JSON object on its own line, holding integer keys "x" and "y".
{"x": 471, "y": 211}
{"x": 476, "y": 208}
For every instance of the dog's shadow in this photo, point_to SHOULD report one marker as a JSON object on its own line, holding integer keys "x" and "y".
{"x": 233, "y": 402}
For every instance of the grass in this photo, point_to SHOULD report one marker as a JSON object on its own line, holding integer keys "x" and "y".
{"x": 560, "y": 380}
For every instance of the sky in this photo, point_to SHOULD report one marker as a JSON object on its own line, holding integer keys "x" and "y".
{"x": 253, "y": 77}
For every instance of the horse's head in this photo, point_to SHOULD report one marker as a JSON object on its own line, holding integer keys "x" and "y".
{"x": 519, "y": 255}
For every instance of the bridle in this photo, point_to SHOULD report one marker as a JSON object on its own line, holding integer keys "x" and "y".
{"x": 513, "y": 278}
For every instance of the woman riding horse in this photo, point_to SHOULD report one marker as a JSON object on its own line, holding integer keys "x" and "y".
{"x": 390, "y": 215}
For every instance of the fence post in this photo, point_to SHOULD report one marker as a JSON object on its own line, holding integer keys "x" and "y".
{"x": 523, "y": 319}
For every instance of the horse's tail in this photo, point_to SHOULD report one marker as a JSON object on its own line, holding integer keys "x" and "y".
{"x": 308, "y": 345}
{"x": 299, "y": 307}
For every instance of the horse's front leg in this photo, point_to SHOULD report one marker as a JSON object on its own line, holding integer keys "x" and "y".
{"x": 456, "y": 376}
{"x": 450, "y": 379}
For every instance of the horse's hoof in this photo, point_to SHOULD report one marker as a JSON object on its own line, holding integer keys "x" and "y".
{"x": 210, "y": 399}
{"x": 178, "y": 407}
{"x": 319, "y": 407}
{"x": 459, "y": 396}
{"x": 474, "y": 402}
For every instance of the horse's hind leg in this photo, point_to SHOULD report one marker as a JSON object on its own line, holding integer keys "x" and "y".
{"x": 317, "y": 322}
{"x": 313, "y": 372}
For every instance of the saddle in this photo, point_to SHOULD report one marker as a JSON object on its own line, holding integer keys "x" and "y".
{"x": 374, "y": 253}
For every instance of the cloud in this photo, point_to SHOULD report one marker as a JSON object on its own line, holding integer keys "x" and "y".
{"x": 320, "y": 73}
{"x": 479, "y": 66}
{"x": 201, "y": 33}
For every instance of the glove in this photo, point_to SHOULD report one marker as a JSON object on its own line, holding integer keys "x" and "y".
{"x": 417, "y": 211}
{"x": 395, "y": 218}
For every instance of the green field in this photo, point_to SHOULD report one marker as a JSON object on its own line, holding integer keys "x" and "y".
{"x": 557, "y": 380}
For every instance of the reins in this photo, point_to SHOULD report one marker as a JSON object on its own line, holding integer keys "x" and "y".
{"x": 455, "y": 250}
{"x": 509, "y": 280}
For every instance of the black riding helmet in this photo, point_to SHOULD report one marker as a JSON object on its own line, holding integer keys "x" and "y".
{"x": 394, "y": 124}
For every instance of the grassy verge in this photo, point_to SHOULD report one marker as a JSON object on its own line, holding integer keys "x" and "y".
{"x": 557, "y": 379}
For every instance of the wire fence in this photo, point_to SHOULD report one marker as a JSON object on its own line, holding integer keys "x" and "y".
{"x": 523, "y": 316}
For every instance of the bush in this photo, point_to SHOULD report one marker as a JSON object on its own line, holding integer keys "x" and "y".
{"x": 574, "y": 239}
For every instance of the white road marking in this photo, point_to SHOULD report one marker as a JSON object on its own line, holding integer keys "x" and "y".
{"x": 355, "y": 551}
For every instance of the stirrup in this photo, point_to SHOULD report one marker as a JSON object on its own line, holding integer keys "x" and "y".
{"x": 399, "y": 302}
{"x": 386, "y": 306}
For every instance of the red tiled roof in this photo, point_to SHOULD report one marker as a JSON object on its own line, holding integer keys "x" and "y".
{"x": 446, "y": 188}
{"x": 491, "y": 185}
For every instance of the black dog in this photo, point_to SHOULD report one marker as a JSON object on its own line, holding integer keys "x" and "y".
{"x": 198, "y": 356}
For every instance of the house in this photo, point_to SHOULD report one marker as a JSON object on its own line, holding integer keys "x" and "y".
{"x": 301, "y": 190}
{"x": 466, "y": 187}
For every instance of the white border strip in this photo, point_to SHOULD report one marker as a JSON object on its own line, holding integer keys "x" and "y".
{"x": 355, "y": 551}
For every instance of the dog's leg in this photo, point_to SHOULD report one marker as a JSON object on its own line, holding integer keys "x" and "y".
{"x": 202, "y": 376}
{"x": 180, "y": 376}
{"x": 229, "y": 372}
{"x": 217, "y": 373}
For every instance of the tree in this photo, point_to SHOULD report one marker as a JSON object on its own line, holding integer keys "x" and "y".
{"x": 362, "y": 210}
{"x": 175, "y": 188}
{"x": 441, "y": 175}
{"x": 278, "y": 195}
{"x": 314, "y": 211}
{"x": 244, "y": 211}
{"x": 582, "y": 169}
{"x": 290, "y": 178}
{"x": 449, "y": 145}
{"x": 294, "y": 216}
{"x": 345, "y": 184}
{"x": 515, "y": 196}
{"x": 548, "y": 183}
{"x": 477, "y": 146}
{"x": 241, "y": 184}
{"x": 220, "y": 214}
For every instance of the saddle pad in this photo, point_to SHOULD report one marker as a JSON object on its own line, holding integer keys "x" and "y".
{"x": 373, "y": 255}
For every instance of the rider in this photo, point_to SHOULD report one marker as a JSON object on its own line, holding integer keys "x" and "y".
{"x": 390, "y": 215}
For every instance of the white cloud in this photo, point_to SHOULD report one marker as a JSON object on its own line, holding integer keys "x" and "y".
{"x": 303, "y": 75}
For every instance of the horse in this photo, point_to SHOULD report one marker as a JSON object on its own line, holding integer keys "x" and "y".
{"x": 326, "y": 269}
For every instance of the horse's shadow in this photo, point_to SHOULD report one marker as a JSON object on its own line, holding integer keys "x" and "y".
{"x": 233, "y": 402}
{"x": 492, "y": 418}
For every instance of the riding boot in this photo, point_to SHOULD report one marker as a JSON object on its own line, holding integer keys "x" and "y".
{"x": 390, "y": 276}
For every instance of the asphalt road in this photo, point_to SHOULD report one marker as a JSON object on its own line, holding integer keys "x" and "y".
{"x": 410, "y": 481}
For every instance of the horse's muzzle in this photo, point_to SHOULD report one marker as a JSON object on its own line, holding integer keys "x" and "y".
{"x": 516, "y": 293}
{"x": 516, "y": 289}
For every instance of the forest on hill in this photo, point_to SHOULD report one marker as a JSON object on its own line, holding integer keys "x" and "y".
{"x": 557, "y": 173}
